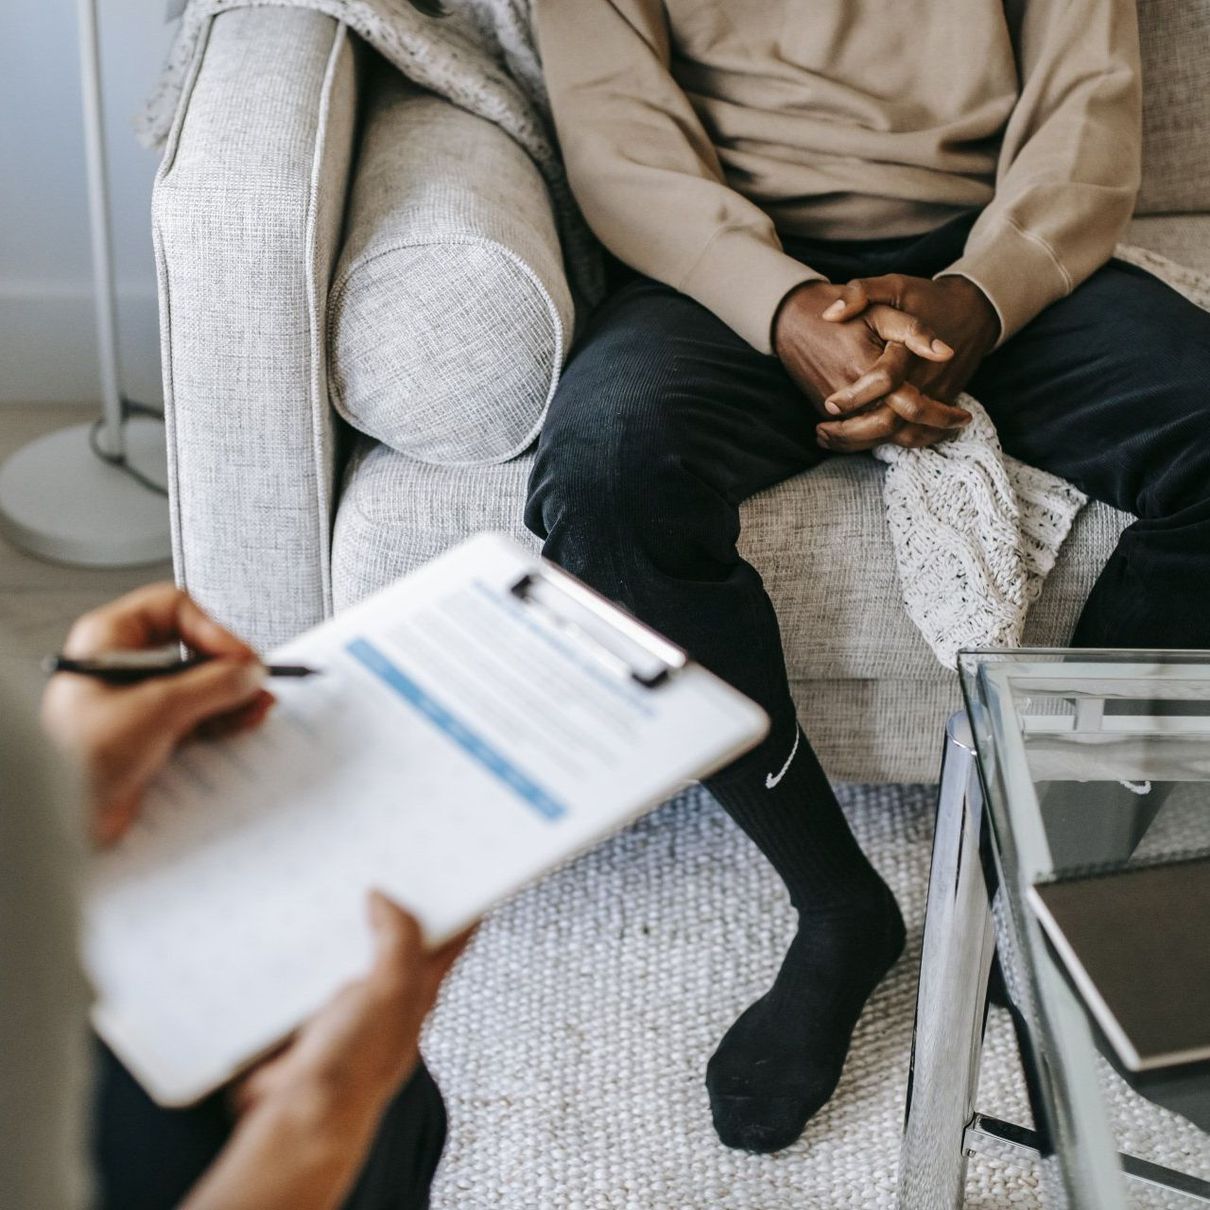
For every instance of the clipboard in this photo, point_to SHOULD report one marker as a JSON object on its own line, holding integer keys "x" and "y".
{"x": 477, "y": 724}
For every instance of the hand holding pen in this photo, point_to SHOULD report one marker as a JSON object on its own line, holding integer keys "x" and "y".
{"x": 121, "y": 734}
{"x": 131, "y": 667}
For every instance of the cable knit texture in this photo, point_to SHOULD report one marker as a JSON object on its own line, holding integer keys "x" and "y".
{"x": 975, "y": 532}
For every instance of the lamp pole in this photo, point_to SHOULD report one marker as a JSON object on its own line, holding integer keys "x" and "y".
{"x": 109, "y": 436}
{"x": 91, "y": 495}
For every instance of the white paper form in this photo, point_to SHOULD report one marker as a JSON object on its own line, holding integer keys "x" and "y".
{"x": 455, "y": 747}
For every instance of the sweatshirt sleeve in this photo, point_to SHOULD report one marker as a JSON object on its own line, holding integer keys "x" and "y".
{"x": 644, "y": 170}
{"x": 1070, "y": 162}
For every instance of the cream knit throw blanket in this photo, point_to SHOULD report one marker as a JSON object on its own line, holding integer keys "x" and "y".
{"x": 974, "y": 532}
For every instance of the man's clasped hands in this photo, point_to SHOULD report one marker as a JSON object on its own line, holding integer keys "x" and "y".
{"x": 883, "y": 358}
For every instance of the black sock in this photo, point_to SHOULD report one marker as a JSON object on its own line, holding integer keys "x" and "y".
{"x": 781, "y": 1060}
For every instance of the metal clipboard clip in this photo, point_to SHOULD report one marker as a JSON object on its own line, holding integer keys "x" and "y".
{"x": 610, "y": 636}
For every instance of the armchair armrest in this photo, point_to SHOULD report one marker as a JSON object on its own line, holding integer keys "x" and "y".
{"x": 246, "y": 216}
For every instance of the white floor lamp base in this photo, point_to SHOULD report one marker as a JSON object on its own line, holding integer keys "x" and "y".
{"x": 59, "y": 501}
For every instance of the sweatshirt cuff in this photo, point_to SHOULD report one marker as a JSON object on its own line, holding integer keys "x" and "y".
{"x": 742, "y": 278}
{"x": 1019, "y": 273}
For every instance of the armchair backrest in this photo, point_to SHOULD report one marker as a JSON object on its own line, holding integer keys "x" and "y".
{"x": 1175, "y": 36}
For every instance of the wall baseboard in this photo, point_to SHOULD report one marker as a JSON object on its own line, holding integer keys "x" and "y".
{"x": 48, "y": 344}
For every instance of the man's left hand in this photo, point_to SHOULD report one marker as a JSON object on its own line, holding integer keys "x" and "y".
{"x": 953, "y": 307}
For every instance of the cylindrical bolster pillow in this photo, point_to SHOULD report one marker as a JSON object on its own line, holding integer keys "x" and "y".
{"x": 450, "y": 314}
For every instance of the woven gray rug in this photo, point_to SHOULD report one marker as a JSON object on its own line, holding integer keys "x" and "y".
{"x": 571, "y": 1041}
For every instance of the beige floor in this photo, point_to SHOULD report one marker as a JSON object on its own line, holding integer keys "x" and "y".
{"x": 38, "y": 601}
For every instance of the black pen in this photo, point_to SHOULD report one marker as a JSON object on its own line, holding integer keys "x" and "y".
{"x": 130, "y": 667}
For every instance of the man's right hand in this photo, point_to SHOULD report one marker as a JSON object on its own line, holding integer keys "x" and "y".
{"x": 120, "y": 736}
{"x": 882, "y": 344}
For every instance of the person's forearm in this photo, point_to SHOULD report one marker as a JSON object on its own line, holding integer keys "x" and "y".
{"x": 1070, "y": 160}
{"x": 646, "y": 173}
{"x": 294, "y": 1152}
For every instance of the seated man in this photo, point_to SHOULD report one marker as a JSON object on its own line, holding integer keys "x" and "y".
{"x": 345, "y": 1115}
{"x": 836, "y": 215}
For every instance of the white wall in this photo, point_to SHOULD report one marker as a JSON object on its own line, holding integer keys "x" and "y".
{"x": 47, "y": 326}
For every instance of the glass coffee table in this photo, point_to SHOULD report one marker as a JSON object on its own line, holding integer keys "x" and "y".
{"x": 1063, "y": 760}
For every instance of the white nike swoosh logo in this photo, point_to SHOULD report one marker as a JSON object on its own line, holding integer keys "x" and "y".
{"x": 771, "y": 779}
{"x": 1138, "y": 787}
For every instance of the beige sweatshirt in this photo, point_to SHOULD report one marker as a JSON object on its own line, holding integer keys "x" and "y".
{"x": 696, "y": 131}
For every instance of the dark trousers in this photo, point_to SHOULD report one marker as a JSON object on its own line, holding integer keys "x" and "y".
{"x": 147, "y": 1158}
{"x": 665, "y": 420}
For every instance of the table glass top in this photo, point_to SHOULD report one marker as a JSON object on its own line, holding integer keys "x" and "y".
{"x": 1093, "y": 757}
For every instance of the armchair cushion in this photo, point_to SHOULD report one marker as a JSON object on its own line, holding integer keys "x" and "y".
{"x": 450, "y": 314}
{"x": 871, "y": 695}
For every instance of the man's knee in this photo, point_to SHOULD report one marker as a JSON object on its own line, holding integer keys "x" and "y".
{"x": 602, "y": 461}
{"x": 608, "y": 438}
{"x": 626, "y": 461}
{"x": 1175, "y": 480}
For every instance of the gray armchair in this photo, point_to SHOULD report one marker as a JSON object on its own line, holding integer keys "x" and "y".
{"x": 282, "y": 513}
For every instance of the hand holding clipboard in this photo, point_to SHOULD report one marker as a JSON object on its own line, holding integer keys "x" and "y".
{"x": 477, "y": 723}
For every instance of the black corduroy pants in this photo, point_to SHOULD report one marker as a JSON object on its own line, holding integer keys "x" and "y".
{"x": 665, "y": 421}
{"x": 146, "y": 1157}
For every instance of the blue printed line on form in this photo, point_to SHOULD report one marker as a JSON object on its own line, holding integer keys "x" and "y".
{"x": 390, "y": 674}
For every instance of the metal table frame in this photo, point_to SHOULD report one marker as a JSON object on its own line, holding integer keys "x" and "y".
{"x": 1079, "y": 1161}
